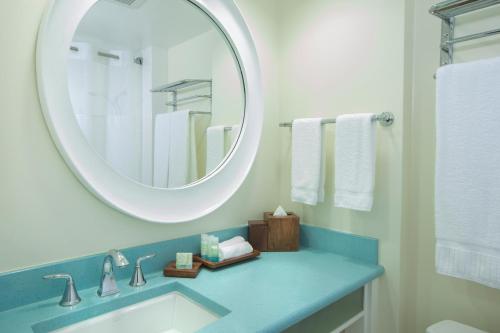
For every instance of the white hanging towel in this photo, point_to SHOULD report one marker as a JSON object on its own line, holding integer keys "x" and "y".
{"x": 161, "y": 150}
{"x": 180, "y": 148}
{"x": 467, "y": 189}
{"x": 215, "y": 147}
{"x": 308, "y": 176}
{"x": 355, "y": 161}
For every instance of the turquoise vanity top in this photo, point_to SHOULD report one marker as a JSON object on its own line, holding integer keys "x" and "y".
{"x": 267, "y": 294}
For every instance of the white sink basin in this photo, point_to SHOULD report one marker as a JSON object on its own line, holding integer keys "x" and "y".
{"x": 171, "y": 313}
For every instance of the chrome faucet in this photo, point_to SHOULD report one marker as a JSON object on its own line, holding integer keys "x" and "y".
{"x": 108, "y": 282}
{"x": 138, "y": 279}
{"x": 70, "y": 296}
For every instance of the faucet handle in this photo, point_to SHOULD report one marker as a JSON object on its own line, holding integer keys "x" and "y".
{"x": 138, "y": 279}
{"x": 70, "y": 296}
{"x": 140, "y": 259}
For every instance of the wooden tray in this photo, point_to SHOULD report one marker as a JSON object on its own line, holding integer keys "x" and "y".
{"x": 170, "y": 270}
{"x": 215, "y": 265}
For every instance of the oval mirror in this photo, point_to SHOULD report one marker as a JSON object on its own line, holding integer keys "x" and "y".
{"x": 156, "y": 89}
{"x": 155, "y": 105}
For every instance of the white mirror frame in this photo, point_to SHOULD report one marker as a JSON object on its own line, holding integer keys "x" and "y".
{"x": 147, "y": 203}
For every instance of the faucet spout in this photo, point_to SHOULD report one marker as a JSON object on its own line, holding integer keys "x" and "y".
{"x": 108, "y": 284}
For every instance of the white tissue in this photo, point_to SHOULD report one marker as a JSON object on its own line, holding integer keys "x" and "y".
{"x": 280, "y": 212}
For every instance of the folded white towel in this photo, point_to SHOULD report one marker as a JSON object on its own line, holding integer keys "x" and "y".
{"x": 354, "y": 161}
{"x": 235, "y": 250}
{"x": 215, "y": 147}
{"x": 232, "y": 241}
{"x": 467, "y": 189}
{"x": 308, "y": 171}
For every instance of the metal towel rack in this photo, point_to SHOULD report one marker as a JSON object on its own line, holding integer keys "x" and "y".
{"x": 385, "y": 119}
{"x": 175, "y": 87}
{"x": 447, "y": 11}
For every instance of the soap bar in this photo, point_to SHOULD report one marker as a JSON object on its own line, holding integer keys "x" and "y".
{"x": 184, "y": 261}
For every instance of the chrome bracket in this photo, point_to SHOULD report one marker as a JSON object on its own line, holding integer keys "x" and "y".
{"x": 447, "y": 35}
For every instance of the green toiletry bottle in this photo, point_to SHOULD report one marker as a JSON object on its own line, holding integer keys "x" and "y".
{"x": 204, "y": 246}
{"x": 213, "y": 251}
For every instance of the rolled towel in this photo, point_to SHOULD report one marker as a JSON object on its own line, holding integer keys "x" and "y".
{"x": 235, "y": 250}
{"x": 232, "y": 241}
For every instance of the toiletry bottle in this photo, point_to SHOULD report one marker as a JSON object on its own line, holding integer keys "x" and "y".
{"x": 204, "y": 246}
{"x": 213, "y": 251}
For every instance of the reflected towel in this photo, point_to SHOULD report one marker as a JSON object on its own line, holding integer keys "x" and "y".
{"x": 355, "y": 161}
{"x": 308, "y": 171}
{"x": 467, "y": 190}
{"x": 161, "y": 150}
{"x": 180, "y": 147}
{"x": 235, "y": 250}
{"x": 215, "y": 147}
{"x": 199, "y": 125}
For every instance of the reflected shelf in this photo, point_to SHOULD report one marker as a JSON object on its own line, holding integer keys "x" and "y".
{"x": 188, "y": 99}
{"x": 178, "y": 85}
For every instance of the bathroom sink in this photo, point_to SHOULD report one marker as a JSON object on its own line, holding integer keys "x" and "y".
{"x": 170, "y": 313}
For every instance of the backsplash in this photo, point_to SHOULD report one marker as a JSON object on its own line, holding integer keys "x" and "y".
{"x": 27, "y": 286}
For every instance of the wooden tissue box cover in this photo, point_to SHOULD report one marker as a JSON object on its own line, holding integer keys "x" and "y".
{"x": 283, "y": 232}
{"x": 258, "y": 234}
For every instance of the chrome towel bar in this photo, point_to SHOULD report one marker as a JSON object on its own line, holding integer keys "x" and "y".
{"x": 385, "y": 119}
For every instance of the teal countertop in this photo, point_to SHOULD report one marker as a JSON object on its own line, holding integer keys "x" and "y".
{"x": 267, "y": 294}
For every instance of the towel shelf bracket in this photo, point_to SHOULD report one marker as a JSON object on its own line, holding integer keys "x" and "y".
{"x": 447, "y": 11}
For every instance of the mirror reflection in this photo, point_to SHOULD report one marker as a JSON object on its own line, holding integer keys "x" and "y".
{"x": 155, "y": 89}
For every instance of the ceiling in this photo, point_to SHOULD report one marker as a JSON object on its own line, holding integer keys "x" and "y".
{"x": 161, "y": 23}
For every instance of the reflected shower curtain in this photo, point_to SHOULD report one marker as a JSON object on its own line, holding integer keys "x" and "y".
{"x": 107, "y": 97}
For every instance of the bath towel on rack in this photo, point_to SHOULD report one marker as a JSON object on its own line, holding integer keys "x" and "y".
{"x": 467, "y": 192}
{"x": 175, "y": 162}
{"x": 179, "y": 170}
{"x": 161, "y": 155}
{"x": 308, "y": 162}
{"x": 355, "y": 161}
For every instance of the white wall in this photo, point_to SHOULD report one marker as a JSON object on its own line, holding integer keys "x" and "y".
{"x": 348, "y": 57}
{"x": 45, "y": 213}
